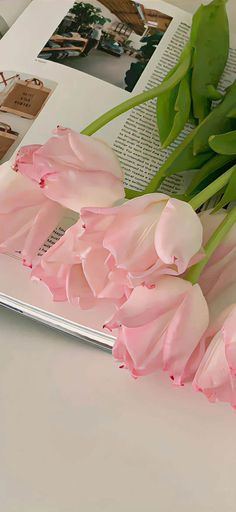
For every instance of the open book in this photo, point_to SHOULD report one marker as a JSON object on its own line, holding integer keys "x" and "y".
{"x": 61, "y": 64}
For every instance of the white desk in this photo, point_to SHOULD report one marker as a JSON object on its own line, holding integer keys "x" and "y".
{"x": 79, "y": 435}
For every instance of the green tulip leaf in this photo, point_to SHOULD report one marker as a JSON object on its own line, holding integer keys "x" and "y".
{"x": 232, "y": 113}
{"x": 224, "y": 144}
{"x": 216, "y": 163}
{"x": 210, "y": 39}
{"x": 175, "y": 76}
{"x": 182, "y": 109}
{"x": 213, "y": 94}
{"x": 166, "y": 112}
{"x": 195, "y": 24}
{"x": 166, "y": 109}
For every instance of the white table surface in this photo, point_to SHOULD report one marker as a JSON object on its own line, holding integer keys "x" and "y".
{"x": 79, "y": 435}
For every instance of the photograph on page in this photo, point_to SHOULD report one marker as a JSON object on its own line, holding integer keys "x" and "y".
{"x": 22, "y": 97}
{"x": 113, "y": 41}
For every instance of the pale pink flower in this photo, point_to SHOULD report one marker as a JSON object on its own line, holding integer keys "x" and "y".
{"x": 160, "y": 328}
{"x": 27, "y": 217}
{"x": 148, "y": 236}
{"x": 80, "y": 270}
{"x": 74, "y": 170}
{"x": 216, "y": 375}
{"x": 220, "y": 272}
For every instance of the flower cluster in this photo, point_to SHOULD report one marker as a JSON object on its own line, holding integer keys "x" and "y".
{"x": 134, "y": 254}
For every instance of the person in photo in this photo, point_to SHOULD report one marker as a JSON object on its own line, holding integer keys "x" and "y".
{"x": 94, "y": 39}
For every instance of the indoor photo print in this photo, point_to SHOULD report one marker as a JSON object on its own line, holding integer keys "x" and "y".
{"x": 107, "y": 39}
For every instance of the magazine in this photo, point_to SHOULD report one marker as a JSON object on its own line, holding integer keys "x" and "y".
{"x": 66, "y": 63}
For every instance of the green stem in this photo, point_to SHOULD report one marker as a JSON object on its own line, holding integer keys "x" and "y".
{"x": 131, "y": 194}
{"x": 218, "y": 236}
{"x": 155, "y": 182}
{"x": 212, "y": 189}
{"x": 121, "y": 109}
{"x": 199, "y": 199}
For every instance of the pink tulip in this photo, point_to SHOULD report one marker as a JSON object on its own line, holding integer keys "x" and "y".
{"x": 160, "y": 328}
{"x": 148, "y": 236}
{"x": 74, "y": 170}
{"x": 78, "y": 269}
{"x": 27, "y": 217}
{"x": 216, "y": 375}
{"x": 221, "y": 269}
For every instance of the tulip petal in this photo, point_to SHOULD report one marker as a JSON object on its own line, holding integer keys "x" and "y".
{"x": 132, "y": 207}
{"x": 96, "y": 275}
{"x": 27, "y": 218}
{"x": 74, "y": 170}
{"x": 144, "y": 304}
{"x": 229, "y": 335}
{"x": 73, "y": 149}
{"x": 44, "y": 223}
{"x": 185, "y": 332}
{"x": 94, "y": 154}
{"x": 210, "y": 222}
{"x": 75, "y": 190}
{"x": 14, "y": 228}
{"x": 223, "y": 294}
{"x": 140, "y": 349}
{"x": 54, "y": 282}
{"x": 24, "y": 162}
{"x": 77, "y": 289}
{"x": 194, "y": 361}
{"x": 219, "y": 273}
{"x": 213, "y": 377}
{"x": 16, "y": 192}
{"x": 131, "y": 236}
{"x": 178, "y": 234}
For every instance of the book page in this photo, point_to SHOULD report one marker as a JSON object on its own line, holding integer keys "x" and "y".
{"x": 85, "y": 95}
{"x": 109, "y": 73}
{"x": 138, "y": 143}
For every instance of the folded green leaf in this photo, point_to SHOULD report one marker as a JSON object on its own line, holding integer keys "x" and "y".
{"x": 232, "y": 114}
{"x": 214, "y": 94}
{"x": 166, "y": 112}
{"x": 205, "y": 56}
{"x": 175, "y": 76}
{"x": 186, "y": 157}
{"x": 217, "y": 122}
{"x": 210, "y": 40}
{"x": 182, "y": 158}
{"x": 195, "y": 25}
{"x": 181, "y": 111}
{"x": 224, "y": 144}
{"x": 214, "y": 164}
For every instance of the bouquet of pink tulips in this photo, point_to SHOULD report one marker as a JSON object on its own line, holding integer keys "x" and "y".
{"x": 169, "y": 271}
